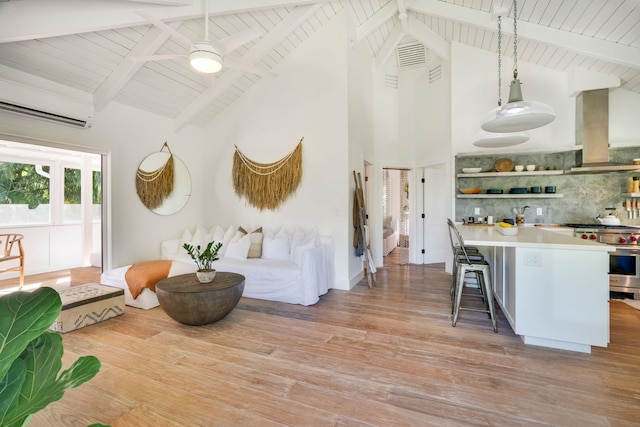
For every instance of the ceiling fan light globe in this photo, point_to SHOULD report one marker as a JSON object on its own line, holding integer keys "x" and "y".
{"x": 518, "y": 116}
{"x": 204, "y": 58}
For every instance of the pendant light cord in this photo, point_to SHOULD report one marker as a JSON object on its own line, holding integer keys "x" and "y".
{"x": 515, "y": 39}
{"x": 499, "y": 61}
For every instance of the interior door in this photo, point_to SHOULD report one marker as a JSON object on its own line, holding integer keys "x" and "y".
{"x": 436, "y": 203}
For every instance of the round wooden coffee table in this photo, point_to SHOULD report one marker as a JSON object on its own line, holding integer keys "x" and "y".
{"x": 188, "y": 301}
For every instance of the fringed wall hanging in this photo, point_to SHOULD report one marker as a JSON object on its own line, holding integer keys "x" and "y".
{"x": 267, "y": 185}
{"x": 154, "y": 186}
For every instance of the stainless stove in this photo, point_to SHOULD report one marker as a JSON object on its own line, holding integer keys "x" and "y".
{"x": 617, "y": 235}
{"x": 624, "y": 263}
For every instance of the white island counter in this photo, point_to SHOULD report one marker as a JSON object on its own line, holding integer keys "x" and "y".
{"x": 553, "y": 288}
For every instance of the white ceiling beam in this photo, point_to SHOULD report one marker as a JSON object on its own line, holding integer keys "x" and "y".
{"x": 592, "y": 47}
{"x": 402, "y": 16}
{"x": 166, "y": 2}
{"x": 113, "y": 84}
{"x": 64, "y": 17}
{"x": 262, "y": 47}
{"x": 379, "y": 18}
{"x": 389, "y": 46}
{"x": 428, "y": 37}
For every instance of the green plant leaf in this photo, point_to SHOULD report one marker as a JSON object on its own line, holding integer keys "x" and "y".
{"x": 10, "y": 387}
{"x": 23, "y": 317}
{"x": 31, "y": 357}
{"x": 43, "y": 360}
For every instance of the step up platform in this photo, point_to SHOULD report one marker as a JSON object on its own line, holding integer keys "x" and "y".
{"x": 87, "y": 305}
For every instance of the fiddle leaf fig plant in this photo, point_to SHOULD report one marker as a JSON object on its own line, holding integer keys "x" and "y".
{"x": 31, "y": 356}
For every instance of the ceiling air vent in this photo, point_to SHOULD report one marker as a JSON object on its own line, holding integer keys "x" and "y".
{"x": 411, "y": 55}
{"x": 391, "y": 81}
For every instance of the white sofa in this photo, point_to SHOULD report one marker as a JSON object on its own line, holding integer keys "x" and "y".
{"x": 290, "y": 267}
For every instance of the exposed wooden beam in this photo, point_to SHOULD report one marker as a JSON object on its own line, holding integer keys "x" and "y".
{"x": 390, "y": 44}
{"x": 166, "y": 2}
{"x": 428, "y": 37}
{"x": 262, "y": 47}
{"x": 64, "y": 17}
{"x": 607, "y": 51}
{"x": 379, "y": 18}
{"x": 152, "y": 40}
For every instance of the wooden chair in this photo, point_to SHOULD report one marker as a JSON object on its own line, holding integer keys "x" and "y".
{"x": 8, "y": 254}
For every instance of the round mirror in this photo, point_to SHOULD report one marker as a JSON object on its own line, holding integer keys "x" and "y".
{"x": 163, "y": 183}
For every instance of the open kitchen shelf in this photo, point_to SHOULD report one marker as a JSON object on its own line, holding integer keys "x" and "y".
{"x": 512, "y": 196}
{"x": 505, "y": 174}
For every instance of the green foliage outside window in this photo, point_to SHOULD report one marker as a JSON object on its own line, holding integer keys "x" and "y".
{"x": 21, "y": 184}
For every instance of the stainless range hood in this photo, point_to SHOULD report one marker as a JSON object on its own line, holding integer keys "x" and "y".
{"x": 592, "y": 132}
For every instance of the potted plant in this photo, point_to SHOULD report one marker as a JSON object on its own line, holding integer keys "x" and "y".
{"x": 31, "y": 357}
{"x": 204, "y": 259}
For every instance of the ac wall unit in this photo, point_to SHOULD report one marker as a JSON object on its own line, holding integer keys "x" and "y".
{"x": 18, "y": 98}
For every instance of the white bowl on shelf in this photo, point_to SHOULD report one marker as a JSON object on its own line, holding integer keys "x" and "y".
{"x": 531, "y": 168}
{"x": 471, "y": 170}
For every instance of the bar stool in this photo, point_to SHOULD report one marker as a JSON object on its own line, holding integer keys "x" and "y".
{"x": 473, "y": 253}
{"x": 479, "y": 268}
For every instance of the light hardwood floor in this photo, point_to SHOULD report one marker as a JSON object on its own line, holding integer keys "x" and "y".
{"x": 382, "y": 357}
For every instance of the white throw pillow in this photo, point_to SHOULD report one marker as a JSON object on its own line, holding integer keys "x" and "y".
{"x": 200, "y": 237}
{"x": 239, "y": 248}
{"x": 228, "y": 235}
{"x": 217, "y": 233}
{"x": 185, "y": 238}
{"x": 276, "y": 246}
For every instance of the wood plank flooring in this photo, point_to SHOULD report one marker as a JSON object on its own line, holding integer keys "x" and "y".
{"x": 382, "y": 357}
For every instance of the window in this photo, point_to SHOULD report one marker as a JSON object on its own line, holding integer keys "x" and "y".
{"x": 25, "y": 191}
{"x": 35, "y": 192}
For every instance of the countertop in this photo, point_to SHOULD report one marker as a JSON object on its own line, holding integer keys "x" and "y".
{"x": 528, "y": 237}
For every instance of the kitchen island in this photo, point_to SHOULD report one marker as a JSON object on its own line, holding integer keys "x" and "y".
{"x": 552, "y": 287}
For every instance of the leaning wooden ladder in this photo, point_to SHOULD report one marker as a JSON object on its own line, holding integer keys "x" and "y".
{"x": 361, "y": 218}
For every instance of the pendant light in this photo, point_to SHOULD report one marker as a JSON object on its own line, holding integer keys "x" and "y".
{"x": 517, "y": 115}
{"x": 486, "y": 139}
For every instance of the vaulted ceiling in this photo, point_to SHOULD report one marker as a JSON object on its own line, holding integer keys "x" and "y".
{"x": 91, "y": 45}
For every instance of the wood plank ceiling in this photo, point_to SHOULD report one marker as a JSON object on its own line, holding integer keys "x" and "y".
{"x": 598, "y": 35}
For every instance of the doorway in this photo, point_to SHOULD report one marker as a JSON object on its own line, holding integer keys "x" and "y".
{"x": 54, "y": 197}
{"x": 395, "y": 215}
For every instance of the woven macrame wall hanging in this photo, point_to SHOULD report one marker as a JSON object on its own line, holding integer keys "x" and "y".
{"x": 154, "y": 186}
{"x": 267, "y": 185}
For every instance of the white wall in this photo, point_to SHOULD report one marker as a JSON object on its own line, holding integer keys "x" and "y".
{"x": 361, "y": 141}
{"x": 127, "y": 136}
{"x": 308, "y": 98}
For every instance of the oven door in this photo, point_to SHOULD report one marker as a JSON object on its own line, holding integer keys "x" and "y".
{"x": 624, "y": 269}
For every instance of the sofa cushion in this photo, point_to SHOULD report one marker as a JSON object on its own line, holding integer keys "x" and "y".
{"x": 276, "y": 246}
{"x": 226, "y": 239}
{"x": 300, "y": 243}
{"x": 238, "y": 247}
{"x": 256, "y": 237}
{"x": 217, "y": 233}
{"x": 185, "y": 238}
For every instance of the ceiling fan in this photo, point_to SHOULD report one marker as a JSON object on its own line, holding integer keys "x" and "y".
{"x": 205, "y": 56}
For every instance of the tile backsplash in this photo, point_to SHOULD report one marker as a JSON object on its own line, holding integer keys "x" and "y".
{"x": 584, "y": 196}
